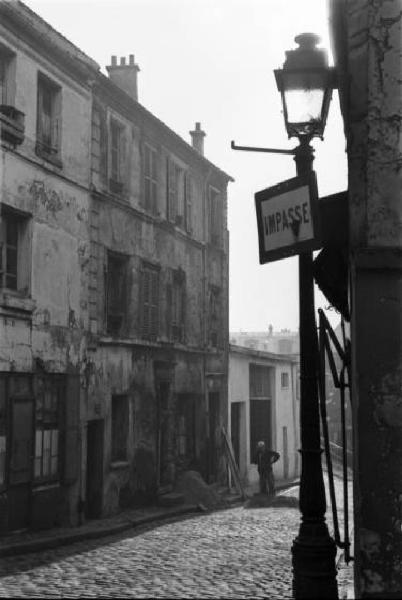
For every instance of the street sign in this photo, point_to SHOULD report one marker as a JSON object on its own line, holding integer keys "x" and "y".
{"x": 287, "y": 218}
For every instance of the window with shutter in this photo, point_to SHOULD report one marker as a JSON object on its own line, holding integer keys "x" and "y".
{"x": 116, "y": 303}
{"x": 214, "y": 315}
{"x": 150, "y": 179}
{"x": 177, "y": 314}
{"x": 215, "y": 218}
{"x": 189, "y": 203}
{"x": 117, "y": 157}
{"x": 48, "y": 126}
{"x": 150, "y": 302}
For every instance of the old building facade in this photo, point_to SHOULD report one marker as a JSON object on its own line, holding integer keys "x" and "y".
{"x": 113, "y": 290}
{"x": 264, "y": 405}
{"x": 367, "y": 38}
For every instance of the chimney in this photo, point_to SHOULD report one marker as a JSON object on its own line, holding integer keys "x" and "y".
{"x": 197, "y": 138}
{"x": 125, "y": 76}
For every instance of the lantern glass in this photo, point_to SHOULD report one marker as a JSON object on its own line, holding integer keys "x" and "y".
{"x": 304, "y": 98}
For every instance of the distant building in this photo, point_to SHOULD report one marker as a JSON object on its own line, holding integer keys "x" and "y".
{"x": 113, "y": 288}
{"x": 263, "y": 405}
{"x": 280, "y": 342}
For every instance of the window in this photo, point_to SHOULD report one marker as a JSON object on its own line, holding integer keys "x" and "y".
{"x": 215, "y": 323}
{"x": 117, "y": 157}
{"x": 150, "y": 302}
{"x": 176, "y": 305}
{"x": 3, "y": 430}
{"x": 49, "y": 400}
{"x": 260, "y": 381}
{"x": 176, "y": 193}
{"x": 189, "y": 191}
{"x": 150, "y": 179}
{"x": 215, "y": 217}
{"x": 116, "y": 279}
{"x": 284, "y": 380}
{"x": 5, "y": 79}
{"x": 48, "y": 120}
{"x": 119, "y": 428}
{"x": 14, "y": 240}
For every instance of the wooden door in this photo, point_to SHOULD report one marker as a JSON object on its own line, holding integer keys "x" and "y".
{"x": 94, "y": 486}
{"x": 21, "y": 461}
{"x": 260, "y": 424}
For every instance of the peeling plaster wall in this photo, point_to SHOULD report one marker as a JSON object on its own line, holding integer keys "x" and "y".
{"x": 373, "y": 115}
{"x": 46, "y": 323}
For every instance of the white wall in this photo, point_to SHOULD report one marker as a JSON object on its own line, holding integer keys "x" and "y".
{"x": 285, "y": 411}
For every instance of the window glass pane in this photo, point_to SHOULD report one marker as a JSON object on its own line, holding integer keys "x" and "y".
{"x": 55, "y": 442}
{"x": 46, "y": 452}
{"x": 2, "y": 458}
{"x": 38, "y": 464}
{"x": 38, "y": 443}
{"x": 53, "y": 466}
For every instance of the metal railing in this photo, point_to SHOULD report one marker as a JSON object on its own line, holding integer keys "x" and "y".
{"x": 334, "y": 453}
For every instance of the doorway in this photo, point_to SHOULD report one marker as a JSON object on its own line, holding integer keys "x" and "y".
{"x": 260, "y": 424}
{"x": 213, "y": 423}
{"x": 20, "y": 474}
{"x": 235, "y": 422}
{"x": 94, "y": 485}
{"x": 162, "y": 432}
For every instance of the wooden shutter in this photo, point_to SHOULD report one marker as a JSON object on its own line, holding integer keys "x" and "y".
{"x": 72, "y": 447}
{"x": 39, "y": 115}
{"x": 145, "y": 292}
{"x": 154, "y": 304}
{"x": 171, "y": 191}
{"x": 169, "y": 305}
{"x": 154, "y": 181}
{"x": 188, "y": 203}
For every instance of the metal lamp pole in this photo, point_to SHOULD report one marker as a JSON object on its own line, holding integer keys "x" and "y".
{"x": 313, "y": 550}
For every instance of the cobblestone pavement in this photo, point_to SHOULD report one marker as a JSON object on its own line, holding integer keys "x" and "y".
{"x": 234, "y": 553}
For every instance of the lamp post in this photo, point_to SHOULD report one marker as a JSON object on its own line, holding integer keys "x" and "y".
{"x": 306, "y": 84}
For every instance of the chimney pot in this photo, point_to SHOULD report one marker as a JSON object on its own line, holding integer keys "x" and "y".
{"x": 124, "y": 75}
{"x": 197, "y": 138}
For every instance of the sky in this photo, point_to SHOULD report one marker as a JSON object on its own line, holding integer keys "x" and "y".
{"x": 212, "y": 61}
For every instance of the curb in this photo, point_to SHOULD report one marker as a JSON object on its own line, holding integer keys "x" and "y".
{"x": 79, "y": 536}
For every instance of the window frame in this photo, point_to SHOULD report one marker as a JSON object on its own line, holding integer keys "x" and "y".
{"x": 117, "y": 153}
{"x": 215, "y": 313}
{"x": 22, "y": 249}
{"x": 215, "y": 217}
{"x": 51, "y": 149}
{"x": 121, "y": 262}
{"x": 7, "y": 76}
{"x": 285, "y": 380}
{"x": 150, "y": 178}
{"x": 150, "y": 302}
{"x": 52, "y": 383}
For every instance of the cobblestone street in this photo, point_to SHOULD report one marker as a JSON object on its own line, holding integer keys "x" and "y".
{"x": 234, "y": 553}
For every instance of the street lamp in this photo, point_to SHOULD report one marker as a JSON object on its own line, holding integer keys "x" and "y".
{"x": 306, "y": 84}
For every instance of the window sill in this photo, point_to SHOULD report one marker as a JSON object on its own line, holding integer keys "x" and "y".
{"x": 119, "y": 464}
{"x": 41, "y": 486}
{"x": 14, "y": 300}
{"x": 51, "y": 157}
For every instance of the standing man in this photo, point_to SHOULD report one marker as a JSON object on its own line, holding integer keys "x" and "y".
{"x": 264, "y": 459}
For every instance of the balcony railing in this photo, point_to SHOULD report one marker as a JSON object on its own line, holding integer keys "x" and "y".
{"x": 12, "y": 123}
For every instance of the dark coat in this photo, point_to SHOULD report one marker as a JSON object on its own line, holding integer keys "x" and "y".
{"x": 264, "y": 459}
